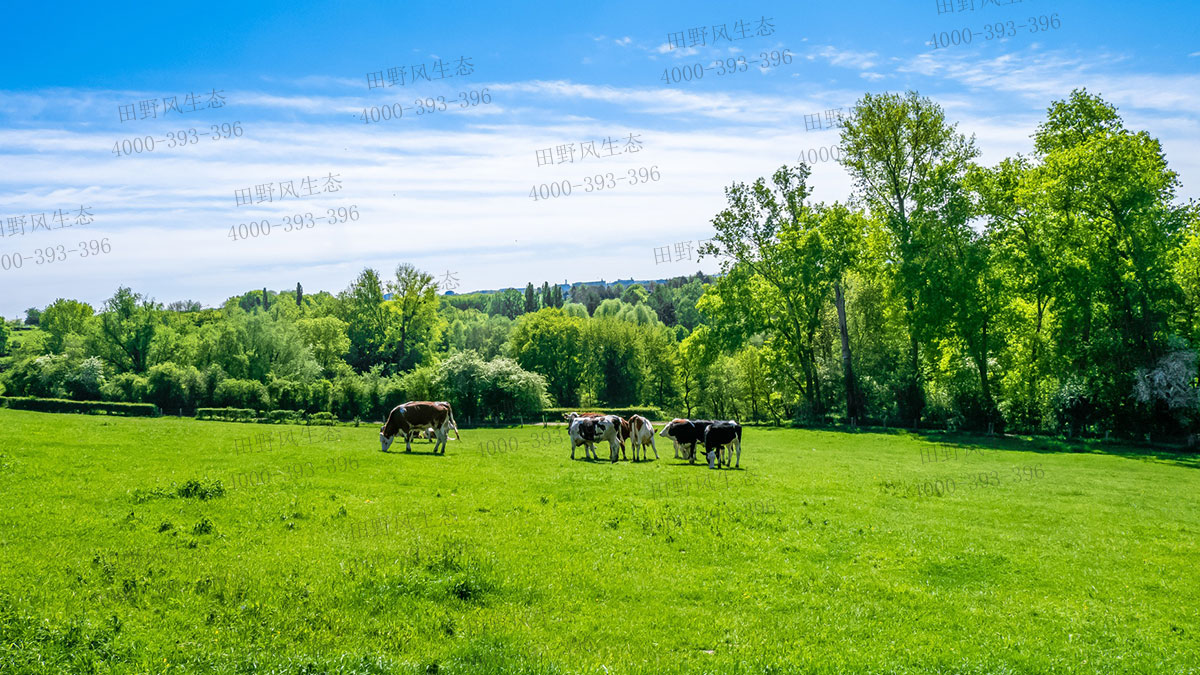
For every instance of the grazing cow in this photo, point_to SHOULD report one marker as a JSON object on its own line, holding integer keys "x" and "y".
{"x": 686, "y": 433}
{"x": 589, "y": 430}
{"x": 623, "y": 434}
{"x": 641, "y": 434}
{"x": 718, "y": 436}
{"x": 413, "y": 416}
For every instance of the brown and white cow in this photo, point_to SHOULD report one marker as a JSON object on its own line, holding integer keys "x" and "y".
{"x": 415, "y": 416}
{"x": 641, "y": 434}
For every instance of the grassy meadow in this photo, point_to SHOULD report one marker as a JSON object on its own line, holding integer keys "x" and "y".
{"x": 172, "y": 545}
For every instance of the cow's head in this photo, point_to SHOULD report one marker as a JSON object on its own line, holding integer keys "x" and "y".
{"x": 384, "y": 440}
{"x": 668, "y": 430}
{"x": 570, "y": 416}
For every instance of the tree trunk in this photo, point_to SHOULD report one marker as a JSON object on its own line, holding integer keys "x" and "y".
{"x": 853, "y": 409}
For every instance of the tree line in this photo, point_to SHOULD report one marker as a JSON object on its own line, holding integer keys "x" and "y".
{"x": 1055, "y": 292}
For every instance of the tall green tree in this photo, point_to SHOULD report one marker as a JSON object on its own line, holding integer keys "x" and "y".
{"x": 553, "y": 344}
{"x": 844, "y": 235}
{"x": 531, "y": 303}
{"x": 413, "y": 321}
{"x": 898, "y": 148}
{"x": 363, "y": 311}
{"x": 509, "y": 303}
{"x": 772, "y": 281}
{"x": 128, "y": 323}
{"x": 327, "y": 337}
{"x": 65, "y": 317}
{"x": 1110, "y": 190}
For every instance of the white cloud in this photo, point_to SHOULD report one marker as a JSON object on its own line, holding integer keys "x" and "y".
{"x": 450, "y": 191}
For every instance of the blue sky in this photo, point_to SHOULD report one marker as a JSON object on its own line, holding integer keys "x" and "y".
{"x": 450, "y": 191}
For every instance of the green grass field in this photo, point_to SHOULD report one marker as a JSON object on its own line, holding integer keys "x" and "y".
{"x": 825, "y": 553}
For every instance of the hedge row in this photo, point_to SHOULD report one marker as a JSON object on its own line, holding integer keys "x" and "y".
{"x": 60, "y": 405}
{"x": 227, "y": 414}
{"x": 272, "y": 417}
{"x": 649, "y": 412}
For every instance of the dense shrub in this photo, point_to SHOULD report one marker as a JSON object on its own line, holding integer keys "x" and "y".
{"x": 288, "y": 394}
{"x": 348, "y": 398}
{"x": 227, "y": 414}
{"x": 43, "y": 376}
{"x": 125, "y": 388}
{"x": 319, "y": 394}
{"x": 171, "y": 386}
{"x": 242, "y": 394}
{"x": 285, "y": 416}
{"x": 91, "y": 407}
{"x": 649, "y": 412}
{"x": 322, "y": 419}
{"x": 86, "y": 380}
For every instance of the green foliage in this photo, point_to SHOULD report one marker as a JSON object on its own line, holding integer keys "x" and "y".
{"x": 551, "y": 343}
{"x": 125, "y": 388}
{"x": 509, "y": 303}
{"x": 86, "y": 380}
{"x": 128, "y": 323}
{"x": 171, "y": 387}
{"x": 327, "y": 337}
{"x": 227, "y": 414}
{"x": 473, "y": 330}
{"x": 322, "y": 419}
{"x": 242, "y": 394}
{"x": 575, "y": 309}
{"x": 649, "y": 412}
{"x": 65, "y": 317}
{"x": 1057, "y": 292}
{"x": 86, "y": 407}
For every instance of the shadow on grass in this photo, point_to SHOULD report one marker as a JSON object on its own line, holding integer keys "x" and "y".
{"x": 1040, "y": 444}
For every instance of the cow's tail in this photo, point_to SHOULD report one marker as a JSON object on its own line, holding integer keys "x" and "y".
{"x": 453, "y": 424}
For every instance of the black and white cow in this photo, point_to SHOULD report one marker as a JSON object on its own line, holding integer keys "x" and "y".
{"x": 726, "y": 435}
{"x": 686, "y": 434}
{"x": 589, "y": 430}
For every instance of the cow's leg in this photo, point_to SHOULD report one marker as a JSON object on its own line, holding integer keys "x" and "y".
{"x": 651, "y": 445}
{"x": 612, "y": 450}
{"x": 442, "y": 436}
{"x": 573, "y": 448}
{"x": 408, "y": 441}
{"x": 711, "y": 455}
{"x": 737, "y": 443}
{"x": 692, "y": 454}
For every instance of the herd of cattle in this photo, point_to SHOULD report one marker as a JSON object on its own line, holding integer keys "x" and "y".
{"x": 721, "y": 439}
